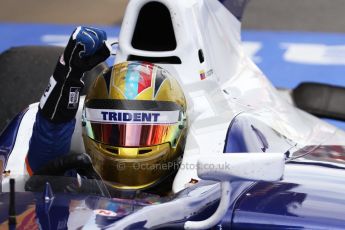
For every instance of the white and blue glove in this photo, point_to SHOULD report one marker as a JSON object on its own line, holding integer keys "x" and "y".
{"x": 86, "y": 49}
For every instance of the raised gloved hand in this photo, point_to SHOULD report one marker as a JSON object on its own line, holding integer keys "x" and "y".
{"x": 86, "y": 49}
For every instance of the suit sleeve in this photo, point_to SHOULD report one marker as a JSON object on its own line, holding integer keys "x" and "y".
{"x": 48, "y": 141}
{"x": 55, "y": 120}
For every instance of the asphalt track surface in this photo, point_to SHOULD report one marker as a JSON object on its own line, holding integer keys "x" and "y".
{"x": 295, "y": 15}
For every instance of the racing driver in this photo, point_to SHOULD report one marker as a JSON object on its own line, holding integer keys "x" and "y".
{"x": 134, "y": 119}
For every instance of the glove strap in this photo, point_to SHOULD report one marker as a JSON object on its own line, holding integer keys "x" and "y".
{"x": 60, "y": 100}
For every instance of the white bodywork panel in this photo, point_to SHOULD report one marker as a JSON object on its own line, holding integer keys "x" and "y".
{"x": 233, "y": 85}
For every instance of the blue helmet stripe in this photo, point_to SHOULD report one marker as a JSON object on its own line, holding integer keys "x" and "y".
{"x": 132, "y": 84}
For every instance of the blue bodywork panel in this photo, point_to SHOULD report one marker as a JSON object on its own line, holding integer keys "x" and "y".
{"x": 309, "y": 203}
{"x": 246, "y": 135}
{"x": 262, "y": 205}
{"x": 311, "y": 194}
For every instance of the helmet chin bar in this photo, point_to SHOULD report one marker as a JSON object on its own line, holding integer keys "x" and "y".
{"x": 232, "y": 167}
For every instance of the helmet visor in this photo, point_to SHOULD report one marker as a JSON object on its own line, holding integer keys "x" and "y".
{"x": 132, "y": 135}
{"x": 129, "y": 128}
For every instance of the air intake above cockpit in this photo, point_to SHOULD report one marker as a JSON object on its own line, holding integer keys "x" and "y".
{"x": 154, "y": 29}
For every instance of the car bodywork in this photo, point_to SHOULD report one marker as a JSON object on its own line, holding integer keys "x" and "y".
{"x": 233, "y": 108}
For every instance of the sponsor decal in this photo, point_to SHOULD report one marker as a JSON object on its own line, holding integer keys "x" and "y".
{"x": 132, "y": 116}
{"x": 202, "y": 75}
{"x": 141, "y": 117}
{"x": 103, "y": 212}
{"x": 73, "y": 99}
{"x": 209, "y": 72}
{"x": 47, "y": 92}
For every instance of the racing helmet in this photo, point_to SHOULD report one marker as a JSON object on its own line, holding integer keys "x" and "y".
{"x": 134, "y": 125}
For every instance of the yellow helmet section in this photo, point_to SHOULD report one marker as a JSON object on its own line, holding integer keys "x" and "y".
{"x": 118, "y": 81}
{"x": 98, "y": 90}
{"x": 171, "y": 91}
{"x": 128, "y": 77}
{"x": 135, "y": 125}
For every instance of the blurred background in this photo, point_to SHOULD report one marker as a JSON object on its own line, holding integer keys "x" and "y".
{"x": 292, "y": 41}
{"x": 295, "y": 15}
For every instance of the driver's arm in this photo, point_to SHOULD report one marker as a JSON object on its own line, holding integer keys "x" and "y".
{"x": 55, "y": 120}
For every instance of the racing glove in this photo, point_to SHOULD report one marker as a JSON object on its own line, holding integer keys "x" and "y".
{"x": 86, "y": 49}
